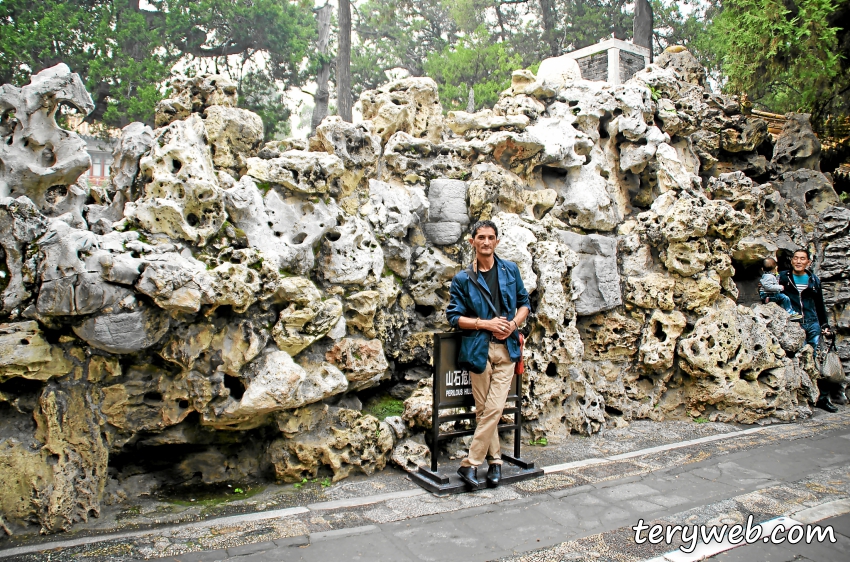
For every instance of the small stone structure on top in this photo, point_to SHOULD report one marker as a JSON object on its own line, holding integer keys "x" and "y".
{"x": 613, "y": 60}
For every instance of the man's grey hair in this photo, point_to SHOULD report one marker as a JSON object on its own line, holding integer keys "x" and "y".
{"x": 484, "y": 224}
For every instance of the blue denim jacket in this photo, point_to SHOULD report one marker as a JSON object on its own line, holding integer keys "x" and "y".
{"x": 467, "y": 301}
{"x": 812, "y": 306}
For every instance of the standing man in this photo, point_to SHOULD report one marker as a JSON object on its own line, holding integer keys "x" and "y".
{"x": 489, "y": 303}
{"x": 804, "y": 290}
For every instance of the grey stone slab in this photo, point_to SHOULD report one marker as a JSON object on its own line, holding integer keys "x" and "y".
{"x": 518, "y": 529}
{"x": 568, "y": 516}
{"x": 691, "y": 486}
{"x": 667, "y": 501}
{"x": 445, "y": 540}
{"x": 626, "y": 491}
{"x": 824, "y": 551}
{"x": 757, "y": 553}
{"x": 588, "y": 499}
{"x": 643, "y": 507}
{"x": 841, "y": 524}
{"x": 374, "y": 547}
{"x": 733, "y": 473}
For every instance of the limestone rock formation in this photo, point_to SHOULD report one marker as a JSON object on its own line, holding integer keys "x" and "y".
{"x": 234, "y": 301}
{"x": 40, "y": 159}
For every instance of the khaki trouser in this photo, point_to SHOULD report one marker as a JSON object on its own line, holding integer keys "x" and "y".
{"x": 490, "y": 390}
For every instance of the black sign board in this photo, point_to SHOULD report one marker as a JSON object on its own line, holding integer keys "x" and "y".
{"x": 453, "y": 387}
{"x": 453, "y": 391}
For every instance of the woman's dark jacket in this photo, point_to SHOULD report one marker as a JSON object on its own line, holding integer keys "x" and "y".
{"x": 812, "y": 297}
{"x": 466, "y": 300}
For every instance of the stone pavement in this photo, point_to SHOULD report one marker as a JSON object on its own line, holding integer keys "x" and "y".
{"x": 581, "y": 510}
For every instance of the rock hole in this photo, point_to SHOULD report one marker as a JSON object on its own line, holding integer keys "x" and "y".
{"x": 192, "y": 219}
{"x": 54, "y": 193}
{"x": 809, "y": 196}
{"x": 573, "y": 103}
{"x": 552, "y": 370}
{"x": 424, "y": 310}
{"x": 659, "y": 333}
{"x": 152, "y": 397}
{"x": 612, "y": 411}
{"x": 333, "y": 236}
{"x": 176, "y": 165}
{"x": 25, "y": 342}
{"x": 183, "y": 404}
{"x": 235, "y": 386}
{"x": 299, "y": 238}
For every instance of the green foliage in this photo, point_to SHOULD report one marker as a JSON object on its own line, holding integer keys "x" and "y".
{"x": 125, "y": 52}
{"x": 542, "y": 442}
{"x": 299, "y": 485}
{"x": 784, "y": 54}
{"x": 384, "y": 406}
{"x": 259, "y": 93}
{"x": 476, "y": 62}
{"x": 700, "y": 419}
{"x": 397, "y": 33}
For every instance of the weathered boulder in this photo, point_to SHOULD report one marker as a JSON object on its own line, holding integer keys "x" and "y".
{"x": 595, "y": 279}
{"x": 350, "y": 253}
{"x": 798, "y": 146}
{"x": 431, "y": 278}
{"x": 653, "y": 290}
{"x": 808, "y": 191}
{"x": 40, "y": 158}
{"x": 409, "y": 105}
{"x": 276, "y": 382}
{"x": 730, "y": 346}
{"x": 394, "y": 210}
{"x": 25, "y": 353}
{"x": 360, "y": 360}
{"x": 553, "y": 262}
{"x": 299, "y": 326}
{"x": 195, "y": 95}
{"x": 57, "y": 477}
{"x": 181, "y": 197}
{"x": 493, "y": 189}
{"x": 658, "y": 342}
{"x": 447, "y": 213}
{"x": 234, "y": 135}
{"x": 460, "y": 121}
{"x": 123, "y": 331}
{"x": 609, "y": 336}
{"x": 20, "y": 225}
{"x": 308, "y": 173}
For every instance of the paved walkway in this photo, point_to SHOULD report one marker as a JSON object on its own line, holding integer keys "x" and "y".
{"x": 579, "y": 511}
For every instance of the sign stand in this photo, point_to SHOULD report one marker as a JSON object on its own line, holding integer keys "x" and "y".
{"x": 453, "y": 390}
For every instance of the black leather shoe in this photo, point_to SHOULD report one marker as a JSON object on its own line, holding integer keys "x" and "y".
{"x": 468, "y": 475}
{"x": 838, "y": 397}
{"x": 494, "y": 474}
{"x": 824, "y": 404}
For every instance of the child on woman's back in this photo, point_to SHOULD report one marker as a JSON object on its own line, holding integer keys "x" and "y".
{"x": 771, "y": 291}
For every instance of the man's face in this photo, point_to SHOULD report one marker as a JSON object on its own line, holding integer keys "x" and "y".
{"x": 799, "y": 262}
{"x": 484, "y": 241}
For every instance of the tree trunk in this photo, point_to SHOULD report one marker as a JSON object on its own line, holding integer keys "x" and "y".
{"x": 642, "y": 29}
{"x": 320, "y": 110}
{"x": 550, "y": 37}
{"x": 343, "y": 62}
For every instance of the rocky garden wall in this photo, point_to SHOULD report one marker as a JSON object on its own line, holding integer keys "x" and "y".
{"x": 225, "y": 309}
